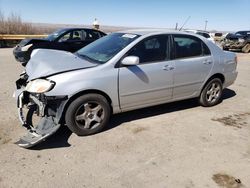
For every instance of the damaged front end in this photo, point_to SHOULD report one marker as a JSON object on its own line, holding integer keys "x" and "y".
{"x": 47, "y": 110}
{"x": 232, "y": 44}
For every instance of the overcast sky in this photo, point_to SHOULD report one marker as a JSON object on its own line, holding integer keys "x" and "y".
{"x": 226, "y": 15}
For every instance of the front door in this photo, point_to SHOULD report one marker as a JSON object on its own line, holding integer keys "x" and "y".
{"x": 151, "y": 81}
{"x": 72, "y": 40}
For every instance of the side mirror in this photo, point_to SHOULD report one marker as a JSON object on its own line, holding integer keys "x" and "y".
{"x": 130, "y": 60}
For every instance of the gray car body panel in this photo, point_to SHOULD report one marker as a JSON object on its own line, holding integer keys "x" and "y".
{"x": 117, "y": 82}
{"x": 46, "y": 62}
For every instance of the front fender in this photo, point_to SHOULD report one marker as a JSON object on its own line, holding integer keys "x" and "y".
{"x": 75, "y": 82}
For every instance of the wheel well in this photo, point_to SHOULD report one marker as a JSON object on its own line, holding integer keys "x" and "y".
{"x": 91, "y": 91}
{"x": 218, "y": 75}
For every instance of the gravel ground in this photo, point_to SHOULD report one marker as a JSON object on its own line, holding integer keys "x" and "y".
{"x": 179, "y": 144}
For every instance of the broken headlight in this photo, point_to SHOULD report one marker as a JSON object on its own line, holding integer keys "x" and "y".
{"x": 26, "y": 48}
{"x": 39, "y": 86}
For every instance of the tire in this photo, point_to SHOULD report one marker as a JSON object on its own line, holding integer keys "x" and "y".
{"x": 246, "y": 48}
{"x": 211, "y": 93}
{"x": 24, "y": 64}
{"x": 88, "y": 114}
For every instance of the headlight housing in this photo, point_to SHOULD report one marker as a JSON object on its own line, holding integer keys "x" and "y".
{"x": 39, "y": 86}
{"x": 26, "y": 48}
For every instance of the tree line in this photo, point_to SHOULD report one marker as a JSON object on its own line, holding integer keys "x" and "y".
{"x": 13, "y": 24}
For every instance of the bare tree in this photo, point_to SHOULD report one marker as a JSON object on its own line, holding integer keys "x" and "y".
{"x": 13, "y": 25}
{"x": 1, "y": 22}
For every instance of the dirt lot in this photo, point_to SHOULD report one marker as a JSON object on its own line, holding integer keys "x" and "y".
{"x": 174, "y": 145}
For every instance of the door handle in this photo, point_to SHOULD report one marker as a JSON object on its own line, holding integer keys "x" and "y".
{"x": 207, "y": 62}
{"x": 168, "y": 68}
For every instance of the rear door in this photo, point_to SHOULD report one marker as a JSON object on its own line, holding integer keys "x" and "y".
{"x": 193, "y": 63}
{"x": 151, "y": 81}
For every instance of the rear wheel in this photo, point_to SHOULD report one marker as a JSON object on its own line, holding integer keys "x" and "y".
{"x": 88, "y": 114}
{"x": 246, "y": 48}
{"x": 211, "y": 93}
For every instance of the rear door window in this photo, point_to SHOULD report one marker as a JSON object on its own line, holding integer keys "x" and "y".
{"x": 186, "y": 46}
{"x": 76, "y": 35}
{"x": 92, "y": 35}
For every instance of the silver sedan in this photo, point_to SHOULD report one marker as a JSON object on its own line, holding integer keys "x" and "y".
{"x": 120, "y": 72}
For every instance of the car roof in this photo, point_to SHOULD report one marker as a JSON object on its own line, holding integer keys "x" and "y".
{"x": 195, "y": 30}
{"x": 76, "y": 28}
{"x": 243, "y": 31}
{"x": 152, "y": 31}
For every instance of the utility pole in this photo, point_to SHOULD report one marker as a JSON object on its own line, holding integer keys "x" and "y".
{"x": 206, "y": 25}
{"x": 176, "y": 26}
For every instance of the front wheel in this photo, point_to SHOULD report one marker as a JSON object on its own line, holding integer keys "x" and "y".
{"x": 88, "y": 114}
{"x": 211, "y": 93}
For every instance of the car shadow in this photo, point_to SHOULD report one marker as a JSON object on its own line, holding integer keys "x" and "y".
{"x": 228, "y": 93}
{"x": 57, "y": 140}
{"x": 118, "y": 119}
{"x": 60, "y": 138}
{"x": 238, "y": 51}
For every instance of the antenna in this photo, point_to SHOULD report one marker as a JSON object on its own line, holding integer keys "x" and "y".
{"x": 176, "y": 26}
{"x": 185, "y": 23}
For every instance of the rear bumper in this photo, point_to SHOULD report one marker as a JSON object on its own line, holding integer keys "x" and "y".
{"x": 230, "y": 78}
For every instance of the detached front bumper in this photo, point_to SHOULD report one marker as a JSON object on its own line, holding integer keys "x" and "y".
{"x": 48, "y": 109}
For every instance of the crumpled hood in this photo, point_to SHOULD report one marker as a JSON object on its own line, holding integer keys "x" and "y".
{"x": 44, "y": 63}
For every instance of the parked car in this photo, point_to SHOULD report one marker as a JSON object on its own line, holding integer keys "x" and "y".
{"x": 205, "y": 34}
{"x": 120, "y": 72}
{"x": 218, "y": 36}
{"x": 238, "y": 41}
{"x": 69, "y": 39}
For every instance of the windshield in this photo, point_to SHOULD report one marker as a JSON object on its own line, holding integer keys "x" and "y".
{"x": 106, "y": 47}
{"x": 242, "y": 33}
{"x": 53, "y": 36}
